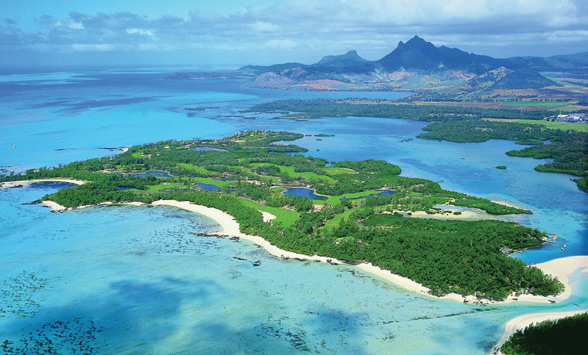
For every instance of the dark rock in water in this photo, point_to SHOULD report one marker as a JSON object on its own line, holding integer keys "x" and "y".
{"x": 257, "y": 263}
{"x": 112, "y": 149}
{"x": 36, "y": 202}
{"x": 238, "y": 258}
{"x": 179, "y": 76}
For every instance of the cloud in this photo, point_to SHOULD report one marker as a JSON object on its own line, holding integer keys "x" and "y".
{"x": 261, "y": 26}
{"x": 314, "y": 28}
{"x": 281, "y": 43}
{"x": 139, "y": 31}
{"x": 93, "y": 47}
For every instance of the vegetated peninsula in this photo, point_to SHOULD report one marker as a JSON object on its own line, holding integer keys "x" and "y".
{"x": 360, "y": 211}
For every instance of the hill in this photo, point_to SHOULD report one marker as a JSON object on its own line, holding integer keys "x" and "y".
{"x": 420, "y": 65}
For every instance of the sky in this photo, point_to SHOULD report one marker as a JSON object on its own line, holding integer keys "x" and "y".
{"x": 233, "y": 33}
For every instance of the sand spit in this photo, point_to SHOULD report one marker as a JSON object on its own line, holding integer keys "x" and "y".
{"x": 562, "y": 268}
{"x": 525, "y": 320}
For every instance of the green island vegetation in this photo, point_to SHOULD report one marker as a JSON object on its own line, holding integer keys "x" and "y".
{"x": 549, "y": 124}
{"x": 567, "y": 147}
{"x": 528, "y": 142}
{"x": 363, "y": 214}
{"x": 317, "y": 108}
{"x": 562, "y": 336}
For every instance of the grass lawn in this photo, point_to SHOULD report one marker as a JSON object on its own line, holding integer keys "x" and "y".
{"x": 564, "y": 126}
{"x": 289, "y": 170}
{"x": 273, "y": 179}
{"x": 284, "y": 216}
{"x": 334, "y": 222}
{"x": 159, "y": 187}
{"x": 333, "y": 170}
{"x": 197, "y": 169}
{"x": 210, "y": 181}
{"x": 546, "y": 105}
{"x": 335, "y": 200}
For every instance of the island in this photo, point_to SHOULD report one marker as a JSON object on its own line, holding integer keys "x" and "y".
{"x": 565, "y": 143}
{"x": 355, "y": 212}
{"x": 537, "y": 102}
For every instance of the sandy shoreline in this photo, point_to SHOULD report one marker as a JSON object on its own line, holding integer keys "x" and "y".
{"x": 559, "y": 268}
{"x": 230, "y": 227}
{"x": 525, "y": 320}
{"x": 11, "y": 184}
{"x": 562, "y": 268}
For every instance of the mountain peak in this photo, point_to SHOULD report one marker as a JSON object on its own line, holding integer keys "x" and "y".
{"x": 420, "y": 54}
{"x": 418, "y": 42}
{"x": 416, "y": 38}
{"x": 416, "y": 53}
{"x": 348, "y": 58}
{"x": 352, "y": 53}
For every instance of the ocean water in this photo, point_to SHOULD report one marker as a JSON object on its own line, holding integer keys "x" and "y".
{"x": 137, "y": 280}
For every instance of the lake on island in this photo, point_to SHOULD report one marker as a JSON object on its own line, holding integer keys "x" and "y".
{"x": 304, "y": 192}
{"x": 123, "y": 279}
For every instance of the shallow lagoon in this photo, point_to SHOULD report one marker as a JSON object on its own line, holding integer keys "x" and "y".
{"x": 141, "y": 281}
{"x": 147, "y": 284}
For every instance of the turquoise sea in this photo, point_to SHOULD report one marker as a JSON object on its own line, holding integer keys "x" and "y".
{"x": 110, "y": 280}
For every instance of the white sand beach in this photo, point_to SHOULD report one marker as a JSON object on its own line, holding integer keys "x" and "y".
{"x": 463, "y": 215}
{"x": 267, "y": 216}
{"x": 560, "y": 268}
{"x": 525, "y": 320}
{"x": 55, "y": 207}
{"x": 231, "y": 227}
{"x": 9, "y": 184}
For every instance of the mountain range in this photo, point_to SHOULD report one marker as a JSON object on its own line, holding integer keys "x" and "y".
{"x": 422, "y": 57}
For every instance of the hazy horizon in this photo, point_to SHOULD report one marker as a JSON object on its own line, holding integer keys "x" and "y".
{"x": 233, "y": 33}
